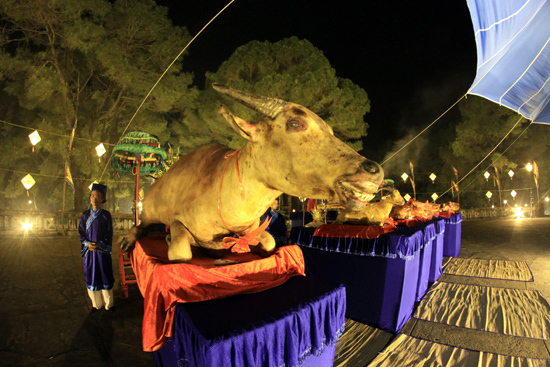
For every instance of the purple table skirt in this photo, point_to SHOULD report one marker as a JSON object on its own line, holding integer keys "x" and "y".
{"x": 295, "y": 324}
{"x": 380, "y": 275}
{"x": 393, "y": 245}
{"x": 437, "y": 250}
{"x": 453, "y": 234}
{"x": 431, "y": 255}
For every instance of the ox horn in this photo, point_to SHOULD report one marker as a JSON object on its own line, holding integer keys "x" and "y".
{"x": 266, "y": 105}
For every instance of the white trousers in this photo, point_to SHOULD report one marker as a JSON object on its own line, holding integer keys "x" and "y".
{"x": 102, "y": 297}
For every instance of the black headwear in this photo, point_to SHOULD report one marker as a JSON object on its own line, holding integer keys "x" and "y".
{"x": 102, "y": 189}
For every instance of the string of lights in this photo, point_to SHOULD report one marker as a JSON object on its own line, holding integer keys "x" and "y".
{"x": 62, "y": 177}
{"x": 56, "y": 134}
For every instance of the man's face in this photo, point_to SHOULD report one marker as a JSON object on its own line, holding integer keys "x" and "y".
{"x": 275, "y": 205}
{"x": 96, "y": 198}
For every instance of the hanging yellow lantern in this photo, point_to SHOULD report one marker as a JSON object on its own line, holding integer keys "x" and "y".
{"x": 407, "y": 197}
{"x": 513, "y": 193}
{"x": 28, "y": 182}
{"x": 433, "y": 177}
{"x": 511, "y": 174}
{"x": 404, "y": 176}
{"x": 434, "y": 196}
{"x": 489, "y": 194}
{"x": 92, "y": 184}
{"x": 100, "y": 149}
{"x": 35, "y": 138}
{"x": 486, "y": 174}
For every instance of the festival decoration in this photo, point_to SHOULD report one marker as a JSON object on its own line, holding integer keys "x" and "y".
{"x": 511, "y": 174}
{"x": 28, "y": 181}
{"x": 92, "y": 184}
{"x": 433, "y": 177}
{"x": 434, "y": 196}
{"x": 488, "y": 194}
{"x": 486, "y": 175}
{"x": 512, "y": 55}
{"x": 35, "y": 138}
{"x": 138, "y": 153}
{"x": 100, "y": 149}
{"x": 513, "y": 193}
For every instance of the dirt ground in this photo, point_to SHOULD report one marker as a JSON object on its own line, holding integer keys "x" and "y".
{"x": 44, "y": 307}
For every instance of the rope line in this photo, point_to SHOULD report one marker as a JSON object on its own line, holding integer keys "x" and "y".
{"x": 59, "y": 176}
{"x": 422, "y": 132}
{"x": 492, "y": 150}
{"x": 162, "y": 75}
{"x": 56, "y": 134}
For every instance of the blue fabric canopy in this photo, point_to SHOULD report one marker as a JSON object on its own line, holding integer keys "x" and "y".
{"x": 513, "y": 55}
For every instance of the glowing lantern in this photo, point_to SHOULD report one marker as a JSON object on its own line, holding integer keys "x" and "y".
{"x": 511, "y": 174}
{"x": 407, "y": 197}
{"x": 547, "y": 199}
{"x": 92, "y": 184}
{"x": 100, "y": 149}
{"x": 529, "y": 167}
{"x": 404, "y": 176}
{"x": 434, "y": 196}
{"x": 489, "y": 194}
{"x": 486, "y": 174}
{"x": 513, "y": 193}
{"x": 432, "y": 177}
{"x": 28, "y": 181}
{"x": 35, "y": 138}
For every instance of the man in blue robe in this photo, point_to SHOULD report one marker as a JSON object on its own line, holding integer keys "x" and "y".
{"x": 96, "y": 234}
{"x": 277, "y": 226}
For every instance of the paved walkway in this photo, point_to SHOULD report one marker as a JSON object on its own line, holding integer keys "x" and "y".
{"x": 44, "y": 307}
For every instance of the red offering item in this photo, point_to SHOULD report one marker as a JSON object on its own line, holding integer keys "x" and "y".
{"x": 164, "y": 284}
{"x": 349, "y": 230}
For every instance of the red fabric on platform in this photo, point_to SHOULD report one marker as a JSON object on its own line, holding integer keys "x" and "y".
{"x": 349, "y": 230}
{"x": 163, "y": 284}
{"x": 445, "y": 214}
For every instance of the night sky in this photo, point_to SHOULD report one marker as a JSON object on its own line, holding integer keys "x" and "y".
{"x": 413, "y": 58}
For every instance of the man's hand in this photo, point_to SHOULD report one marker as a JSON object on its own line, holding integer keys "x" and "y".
{"x": 92, "y": 246}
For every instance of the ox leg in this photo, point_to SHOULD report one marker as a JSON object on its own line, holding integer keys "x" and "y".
{"x": 128, "y": 242}
{"x": 266, "y": 247}
{"x": 180, "y": 244}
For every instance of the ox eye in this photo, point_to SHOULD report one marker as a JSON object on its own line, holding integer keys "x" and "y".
{"x": 295, "y": 125}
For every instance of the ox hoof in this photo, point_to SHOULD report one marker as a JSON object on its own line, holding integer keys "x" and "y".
{"x": 259, "y": 250}
{"x": 125, "y": 245}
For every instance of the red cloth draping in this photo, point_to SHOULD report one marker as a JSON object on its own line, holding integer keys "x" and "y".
{"x": 446, "y": 215}
{"x": 349, "y": 230}
{"x": 163, "y": 284}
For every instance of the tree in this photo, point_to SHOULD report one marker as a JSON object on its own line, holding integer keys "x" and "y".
{"x": 483, "y": 125}
{"x": 90, "y": 64}
{"x": 291, "y": 69}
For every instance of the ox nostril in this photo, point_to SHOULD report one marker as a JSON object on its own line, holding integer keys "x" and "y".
{"x": 371, "y": 167}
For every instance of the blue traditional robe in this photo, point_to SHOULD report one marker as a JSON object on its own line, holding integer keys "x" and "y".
{"x": 97, "y": 226}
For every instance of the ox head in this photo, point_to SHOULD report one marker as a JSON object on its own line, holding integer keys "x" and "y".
{"x": 296, "y": 152}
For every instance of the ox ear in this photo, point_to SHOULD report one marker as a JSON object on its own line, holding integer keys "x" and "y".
{"x": 246, "y": 130}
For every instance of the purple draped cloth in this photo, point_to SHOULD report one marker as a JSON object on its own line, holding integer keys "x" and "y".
{"x": 295, "y": 324}
{"x": 453, "y": 235}
{"x": 98, "y": 265}
{"x": 380, "y": 274}
{"x": 426, "y": 254}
